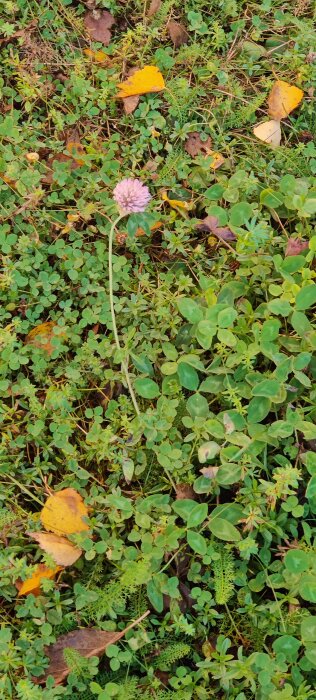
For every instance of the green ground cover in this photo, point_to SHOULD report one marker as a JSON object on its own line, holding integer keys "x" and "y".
{"x": 200, "y": 480}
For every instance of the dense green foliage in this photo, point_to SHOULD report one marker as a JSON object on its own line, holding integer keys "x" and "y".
{"x": 203, "y": 507}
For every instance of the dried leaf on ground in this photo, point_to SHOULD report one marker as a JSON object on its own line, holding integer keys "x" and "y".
{"x": 210, "y": 224}
{"x": 295, "y": 246}
{"x": 218, "y": 159}
{"x": 42, "y": 335}
{"x": 269, "y": 132}
{"x": 98, "y": 24}
{"x": 75, "y": 147}
{"x": 154, "y": 7}
{"x": 148, "y": 79}
{"x": 283, "y": 99}
{"x": 33, "y": 584}
{"x": 130, "y": 104}
{"x": 75, "y": 153}
{"x": 194, "y": 144}
{"x": 176, "y": 203}
{"x": 178, "y": 33}
{"x": 60, "y": 549}
{"x": 63, "y": 513}
{"x": 96, "y": 56}
{"x": 88, "y": 642}
{"x": 121, "y": 237}
{"x": 184, "y": 491}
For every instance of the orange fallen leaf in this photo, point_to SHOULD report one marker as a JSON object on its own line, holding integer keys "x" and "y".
{"x": 269, "y": 132}
{"x": 63, "y": 513}
{"x": 88, "y": 642}
{"x": 148, "y": 79}
{"x": 41, "y": 336}
{"x": 283, "y": 99}
{"x": 96, "y": 56}
{"x": 33, "y": 584}
{"x": 60, "y": 549}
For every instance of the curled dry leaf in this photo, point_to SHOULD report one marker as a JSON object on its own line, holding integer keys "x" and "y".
{"x": 130, "y": 103}
{"x": 88, "y": 642}
{"x": 98, "y": 24}
{"x": 154, "y": 7}
{"x": 269, "y": 132}
{"x": 194, "y": 144}
{"x": 283, "y": 99}
{"x": 63, "y": 513}
{"x": 177, "y": 203}
{"x": 148, "y": 79}
{"x": 295, "y": 246}
{"x": 178, "y": 33}
{"x": 60, "y": 549}
{"x": 33, "y": 584}
{"x": 210, "y": 224}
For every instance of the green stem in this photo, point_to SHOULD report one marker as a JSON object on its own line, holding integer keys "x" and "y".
{"x": 116, "y": 336}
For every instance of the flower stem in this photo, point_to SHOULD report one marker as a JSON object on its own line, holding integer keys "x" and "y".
{"x": 116, "y": 336}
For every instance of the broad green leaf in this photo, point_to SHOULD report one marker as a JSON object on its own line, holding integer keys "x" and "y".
{"x": 300, "y": 323}
{"x": 258, "y": 409}
{"x": 288, "y": 646}
{"x": 226, "y": 317}
{"x": 190, "y": 309}
{"x": 197, "y": 515}
{"x": 308, "y": 629}
{"x": 306, "y": 297}
{"x": 296, "y": 561}
{"x": 268, "y": 388}
{"x": 197, "y": 406}
{"x": 224, "y": 530}
{"x": 188, "y": 376}
{"x": 270, "y": 329}
{"x": 146, "y": 388}
{"x": 196, "y": 542}
{"x": 307, "y": 588}
{"x": 207, "y": 451}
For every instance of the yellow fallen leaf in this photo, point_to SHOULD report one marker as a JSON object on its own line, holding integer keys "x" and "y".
{"x": 60, "y": 549}
{"x": 96, "y": 56}
{"x": 33, "y": 584}
{"x": 176, "y": 203}
{"x": 269, "y": 132}
{"x": 63, "y": 513}
{"x": 148, "y": 79}
{"x": 218, "y": 159}
{"x": 41, "y": 336}
{"x": 283, "y": 99}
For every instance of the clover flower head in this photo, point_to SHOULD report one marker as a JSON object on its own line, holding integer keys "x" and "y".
{"x": 131, "y": 196}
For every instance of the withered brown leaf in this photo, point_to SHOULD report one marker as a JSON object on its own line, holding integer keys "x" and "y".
{"x": 194, "y": 144}
{"x": 178, "y": 33}
{"x": 87, "y": 641}
{"x": 210, "y": 224}
{"x": 154, "y": 7}
{"x": 98, "y": 24}
{"x": 295, "y": 246}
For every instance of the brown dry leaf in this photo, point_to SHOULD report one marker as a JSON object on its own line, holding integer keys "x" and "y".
{"x": 295, "y": 246}
{"x": 269, "y": 132}
{"x": 41, "y": 336}
{"x": 154, "y": 7}
{"x": 130, "y": 103}
{"x": 64, "y": 511}
{"x": 210, "y": 224}
{"x": 121, "y": 237}
{"x": 88, "y": 642}
{"x": 98, "y": 23}
{"x": 60, "y": 549}
{"x": 75, "y": 148}
{"x": 283, "y": 99}
{"x": 148, "y": 79}
{"x": 194, "y": 144}
{"x": 185, "y": 491}
{"x": 33, "y": 584}
{"x": 178, "y": 33}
